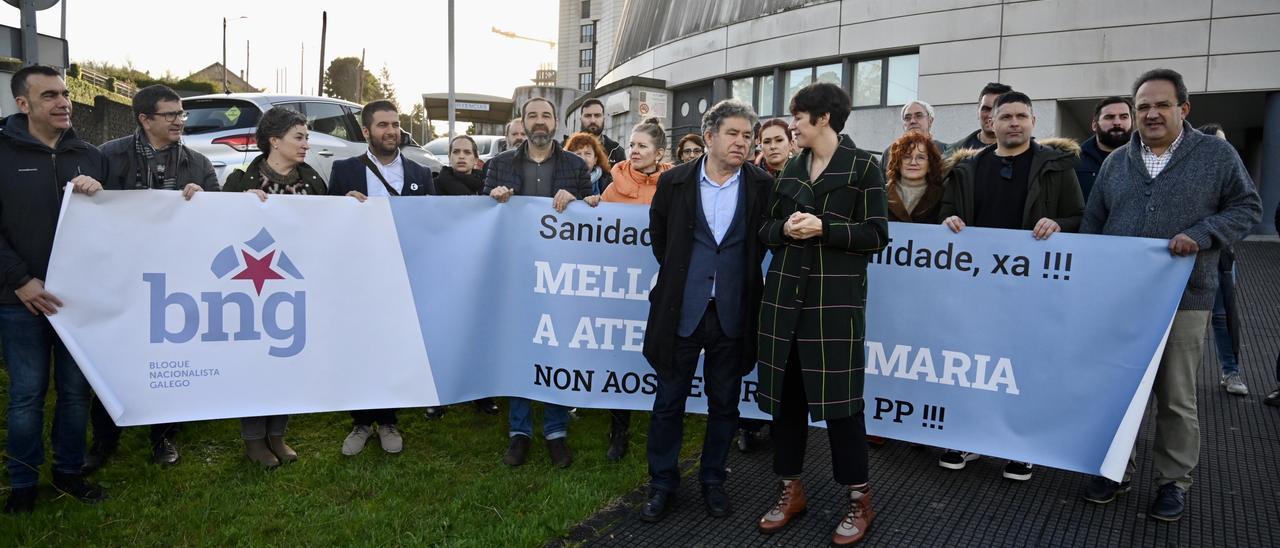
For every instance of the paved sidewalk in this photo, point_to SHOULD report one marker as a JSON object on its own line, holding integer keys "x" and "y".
{"x": 1235, "y": 501}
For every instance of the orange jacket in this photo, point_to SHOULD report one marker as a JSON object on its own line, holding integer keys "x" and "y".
{"x": 630, "y": 186}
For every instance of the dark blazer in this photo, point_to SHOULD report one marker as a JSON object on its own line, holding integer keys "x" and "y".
{"x": 570, "y": 172}
{"x": 816, "y": 289}
{"x": 671, "y": 224}
{"x": 349, "y": 174}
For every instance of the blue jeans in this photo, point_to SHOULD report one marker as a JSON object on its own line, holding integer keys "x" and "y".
{"x": 1221, "y": 335}
{"x": 28, "y": 342}
{"x": 555, "y": 419}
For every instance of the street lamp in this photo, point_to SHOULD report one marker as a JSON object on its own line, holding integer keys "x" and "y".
{"x": 225, "y": 89}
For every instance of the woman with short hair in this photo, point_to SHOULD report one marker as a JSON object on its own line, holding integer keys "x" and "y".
{"x": 280, "y": 169}
{"x": 826, "y": 218}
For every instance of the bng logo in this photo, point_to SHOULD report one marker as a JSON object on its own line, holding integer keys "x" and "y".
{"x": 259, "y": 262}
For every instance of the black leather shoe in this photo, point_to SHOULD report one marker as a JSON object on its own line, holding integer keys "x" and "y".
{"x": 656, "y": 508}
{"x": 1273, "y": 398}
{"x": 21, "y": 501}
{"x": 99, "y": 453}
{"x": 76, "y": 486}
{"x": 716, "y": 500}
{"x": 164, "y": 453}
{"x": 433, "y": 413}
{"x": 1102, "y": 490}
{"x": 1169, "y": 503}
{"x": 517, "y": 451}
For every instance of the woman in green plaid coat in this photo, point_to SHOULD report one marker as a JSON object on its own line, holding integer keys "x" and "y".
{"x": 827, "y": 216}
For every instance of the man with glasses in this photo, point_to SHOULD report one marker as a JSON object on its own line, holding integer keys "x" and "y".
{"x": 153, "y": 157}
{"x": 1018, "y": 184}
{"x": 916, "y": 116}
{"x": 1173, "y": 183}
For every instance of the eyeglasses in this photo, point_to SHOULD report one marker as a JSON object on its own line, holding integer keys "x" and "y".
{"x": 690, "y": 151}
{"x": 170, "y": 116}
{"x": 1006, "y": 170}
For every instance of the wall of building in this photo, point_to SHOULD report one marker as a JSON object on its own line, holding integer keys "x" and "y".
{"x": 570, "y": 44}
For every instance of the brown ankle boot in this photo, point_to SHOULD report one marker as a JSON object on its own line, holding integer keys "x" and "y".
{"x": 857, "y": 518}
{"x": 259, "y": 453}
{"x": 282, "y": 451}
{"x": 791, "y": 503}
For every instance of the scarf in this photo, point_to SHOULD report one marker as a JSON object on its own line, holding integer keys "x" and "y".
{"x": 147, "y": 172}
{"x": 275, "y": 183}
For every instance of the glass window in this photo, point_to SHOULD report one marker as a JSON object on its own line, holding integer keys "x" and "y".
{"x": 328, "y": 118}
{"x": 765, "y": 108}
{"x": 904, "y": 72}
{"x": 584, "y": 58}
{"x": 743, "y": 90}
{"x": 584, "y": 81}
{"x": 830, "y": 73}
{"x": 586, "y": 33}
{"x": 206, "y": 115}
{"x": 586, "y": 9}
{"x": 796, "y": 79}
{"x": 866, "y": 83}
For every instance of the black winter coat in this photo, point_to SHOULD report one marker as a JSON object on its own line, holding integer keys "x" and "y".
{"x": 671, "y": 225}
{"x": 32, "y": 181}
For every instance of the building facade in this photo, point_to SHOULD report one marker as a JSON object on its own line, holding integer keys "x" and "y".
{"x": 588, "y": 29}
{"x": 1065, "y": 55}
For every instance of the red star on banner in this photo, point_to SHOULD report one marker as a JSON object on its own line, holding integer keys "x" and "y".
{"x": 258, "y": 270}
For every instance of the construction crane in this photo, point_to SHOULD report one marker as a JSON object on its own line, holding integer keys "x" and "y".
{"x": 510, "y": 34}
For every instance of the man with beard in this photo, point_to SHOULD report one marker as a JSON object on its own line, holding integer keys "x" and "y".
{"x": 383, "y": 172}
{"x": 1112, "y": 125}
{"x": 592, "y": 121}
{"x": 985, "y": 134}
{"x": 539, "y": 167}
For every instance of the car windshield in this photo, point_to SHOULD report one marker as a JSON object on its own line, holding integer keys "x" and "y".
{"x": 208, "y": 115}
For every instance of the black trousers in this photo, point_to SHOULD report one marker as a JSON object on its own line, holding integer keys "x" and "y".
{"x": 384, "y": 417}
{"x": 106, "y": 432}
{"x": 722, "y": 385}
{"x": 790, "y": 432}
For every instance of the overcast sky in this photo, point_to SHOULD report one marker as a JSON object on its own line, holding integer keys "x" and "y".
{"x": 409, "y": 37}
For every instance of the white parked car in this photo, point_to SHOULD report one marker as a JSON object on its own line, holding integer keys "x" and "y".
{"x": 222, "y": 128}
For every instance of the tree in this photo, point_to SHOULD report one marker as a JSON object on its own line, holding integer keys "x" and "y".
{"x": 415, "y": 122}
{"x": 385, "y": 85}
{"x": 341, "y": 78}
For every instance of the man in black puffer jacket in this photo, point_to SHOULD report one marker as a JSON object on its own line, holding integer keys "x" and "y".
{"x": 39, "y": 155}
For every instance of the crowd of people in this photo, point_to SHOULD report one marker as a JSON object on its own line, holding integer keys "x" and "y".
{"x": 739, "y": 188}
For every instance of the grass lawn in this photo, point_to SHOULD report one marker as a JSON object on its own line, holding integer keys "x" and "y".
{"x": 449, "y": 487}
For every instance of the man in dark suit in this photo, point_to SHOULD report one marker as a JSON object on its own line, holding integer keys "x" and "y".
{"x": 382, "y": 171}
{"x": 704, "y": 220}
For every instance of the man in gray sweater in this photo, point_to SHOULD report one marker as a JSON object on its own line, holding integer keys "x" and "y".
{"x": 1173, "y": 182}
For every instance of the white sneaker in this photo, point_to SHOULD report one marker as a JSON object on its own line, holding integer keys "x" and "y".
{"x": 390, "y": 438}
{"x": 355, "y": 441}
{"x": 956, "y": 460}
{"x": 1234, "y": 384}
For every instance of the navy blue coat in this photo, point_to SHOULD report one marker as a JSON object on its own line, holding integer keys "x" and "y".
{"x": 349, "y": 174}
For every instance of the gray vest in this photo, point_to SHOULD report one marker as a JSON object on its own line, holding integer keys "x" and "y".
{"x": 720, "y": 263}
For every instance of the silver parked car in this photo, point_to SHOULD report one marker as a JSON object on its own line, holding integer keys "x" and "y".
{"x": 487, "y": 146}
{"x": 222, "y": 128}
